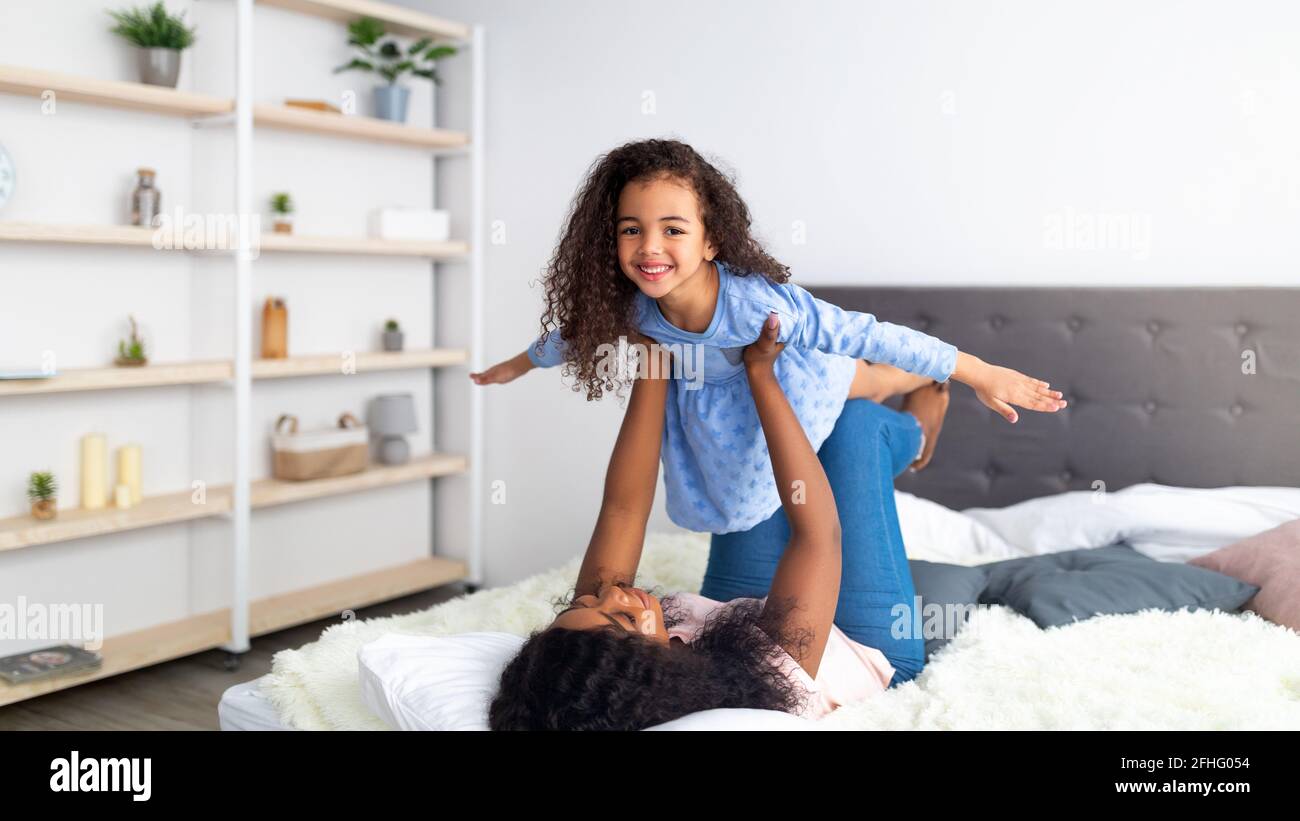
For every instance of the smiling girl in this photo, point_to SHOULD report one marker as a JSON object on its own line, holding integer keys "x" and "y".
{"x": 658, "y": 242}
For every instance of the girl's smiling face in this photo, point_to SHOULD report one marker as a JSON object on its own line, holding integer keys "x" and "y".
{"x": 661, "y": 236}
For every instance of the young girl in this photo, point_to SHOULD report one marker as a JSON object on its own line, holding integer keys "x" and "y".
{"x": 658, "y": 241}
{"x": 618, "y": 658}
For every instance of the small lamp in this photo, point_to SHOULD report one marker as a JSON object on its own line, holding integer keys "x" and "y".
{"x": 391, "y": 417}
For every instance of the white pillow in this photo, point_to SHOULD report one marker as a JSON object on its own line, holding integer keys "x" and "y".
{"x": 448, "y": 682}
{"x": 934, "y": 533}
{"x": 434, "y": 682}
{"x": 1172, "y": 524}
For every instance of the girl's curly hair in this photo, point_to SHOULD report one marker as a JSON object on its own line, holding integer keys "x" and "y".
{"x": 588, "y": 298}
{"x": 611, "y": 679}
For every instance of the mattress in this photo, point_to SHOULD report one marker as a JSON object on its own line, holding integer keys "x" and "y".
{"x": 244, "y": 707}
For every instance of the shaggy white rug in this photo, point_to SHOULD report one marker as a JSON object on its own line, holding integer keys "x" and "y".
{"x": 1149, "y": 670}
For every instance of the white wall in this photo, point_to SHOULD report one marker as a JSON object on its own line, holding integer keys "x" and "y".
{"x": 917, "y": 143}
{"x": 964, "y": 143}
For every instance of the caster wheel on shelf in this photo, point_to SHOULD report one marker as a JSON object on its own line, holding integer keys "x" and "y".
{"x": 232, "y": 661}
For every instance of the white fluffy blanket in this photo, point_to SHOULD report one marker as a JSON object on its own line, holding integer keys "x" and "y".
{"x": 1150, "y": 670}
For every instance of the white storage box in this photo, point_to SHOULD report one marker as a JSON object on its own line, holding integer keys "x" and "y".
{"x": 423, "y": 224}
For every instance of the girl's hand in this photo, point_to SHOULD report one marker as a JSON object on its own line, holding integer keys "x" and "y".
{"x": 504, "y": 372}
{"x": 762, "y": 352}
{"x": 999, "y": 388}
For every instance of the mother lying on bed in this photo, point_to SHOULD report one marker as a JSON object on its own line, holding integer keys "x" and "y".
{"x": 619, "y": 658}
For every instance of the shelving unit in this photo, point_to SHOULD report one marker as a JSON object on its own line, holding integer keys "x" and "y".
{"x": 231, "y": 628}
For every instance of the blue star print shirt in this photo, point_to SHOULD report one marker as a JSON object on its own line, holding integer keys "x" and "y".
{"x": 717, "y": 473}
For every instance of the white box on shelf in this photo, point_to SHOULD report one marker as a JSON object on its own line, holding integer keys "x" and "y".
{"x": 410, "y": 223}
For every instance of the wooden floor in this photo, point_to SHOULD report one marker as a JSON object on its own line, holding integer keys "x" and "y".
{"x": 180, "y": 694}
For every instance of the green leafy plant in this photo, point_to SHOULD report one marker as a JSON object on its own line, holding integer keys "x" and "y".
{"x": 41, "y": 486}
{"x": 132, "y": 350}
{"x": 388, "y": 59}
{"x": 153, "y": 27}
{"x": 391, "y": 325}
{"x": 281, "y": 203}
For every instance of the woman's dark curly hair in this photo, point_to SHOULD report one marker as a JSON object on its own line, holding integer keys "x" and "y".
{"x": 588, "y": 298}
{"x": 611, "y": 679}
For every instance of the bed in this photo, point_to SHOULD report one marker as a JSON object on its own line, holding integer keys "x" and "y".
{"x": 1183, "y": 388}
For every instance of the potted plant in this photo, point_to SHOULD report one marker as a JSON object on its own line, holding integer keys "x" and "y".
{"x": 390, "y": 61}
{"x": 41, "y": 490}
{"x": 282, "y": 207}
{"x": 393, "y": 336}
{"x": 130, "y": 352}
{"x": 161, "y": 37}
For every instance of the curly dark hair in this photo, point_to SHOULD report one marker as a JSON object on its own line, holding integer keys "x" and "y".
{"x": 611, "y": 679}
{"x": 588, "y": 299}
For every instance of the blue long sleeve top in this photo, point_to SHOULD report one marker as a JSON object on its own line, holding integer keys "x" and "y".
{"x": 717, "y": 472}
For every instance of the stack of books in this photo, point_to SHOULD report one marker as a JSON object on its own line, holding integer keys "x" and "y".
{"x": 46, "y": 663}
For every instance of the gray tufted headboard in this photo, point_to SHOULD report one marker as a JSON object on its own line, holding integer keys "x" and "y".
{"x": 1157, "y": 379}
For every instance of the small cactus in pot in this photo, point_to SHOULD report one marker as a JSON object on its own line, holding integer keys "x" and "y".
{"x": 393, "y": 336}
{"x": 42, "y": 491}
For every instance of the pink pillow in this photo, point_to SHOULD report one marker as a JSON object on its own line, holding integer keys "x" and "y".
{"x": 1270, "y": 561}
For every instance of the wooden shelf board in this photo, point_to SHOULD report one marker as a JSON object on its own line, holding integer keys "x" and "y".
{"x": 77, "y": 523}
{"x": 294, "y": 243}
{"x": 131, "y": 651}
{"x": 112, "y": 93}
{"x": 130, "y": 235}
{"x": 364, "y": 362}
{"x": 135, "y": 236}
{"x": 396, "y": 19}
{"x": 145, "y": 376}
{"x": 272, "y": 492}
{"x": 301, "y": 606}
{"x": 198, "y": 373}
{"x": 356, "y": 126}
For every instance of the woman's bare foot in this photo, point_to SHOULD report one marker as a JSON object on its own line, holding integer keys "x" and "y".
{"x": 928, "y": 404}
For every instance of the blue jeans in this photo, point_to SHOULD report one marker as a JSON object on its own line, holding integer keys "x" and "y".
{"x": 870, "y": 445}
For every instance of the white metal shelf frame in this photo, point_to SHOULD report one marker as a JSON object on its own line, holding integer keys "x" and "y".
{"x": 241, "y": 511}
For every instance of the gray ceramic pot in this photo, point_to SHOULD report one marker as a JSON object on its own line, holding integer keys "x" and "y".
{"x": 160, "y": 66}
{"x": 390, "y": 103}
{"x": 393, "y": 340}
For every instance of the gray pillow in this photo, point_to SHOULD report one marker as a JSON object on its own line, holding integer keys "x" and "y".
{"x": 949, "y": 586}
{"x": 1059, "y": 588}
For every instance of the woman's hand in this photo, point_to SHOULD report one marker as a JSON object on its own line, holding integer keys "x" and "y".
{"x": 999, "y": 388}
{"x": 504, "y": 372}
{"x": 762, "y": 352}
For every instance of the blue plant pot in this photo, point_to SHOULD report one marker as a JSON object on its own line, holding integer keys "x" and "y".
{"x": 390, "y": 103}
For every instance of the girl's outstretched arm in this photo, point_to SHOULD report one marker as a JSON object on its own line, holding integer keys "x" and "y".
{"x": 615, "y": 548}
{"x": 832, "y": 329}
{"x": 808, "y": 574}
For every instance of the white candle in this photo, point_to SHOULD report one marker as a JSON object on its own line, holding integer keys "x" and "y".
{"x": 94, "y": 471}
{"x": 128, "y": 470}
{"x": 122, "y": 496}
